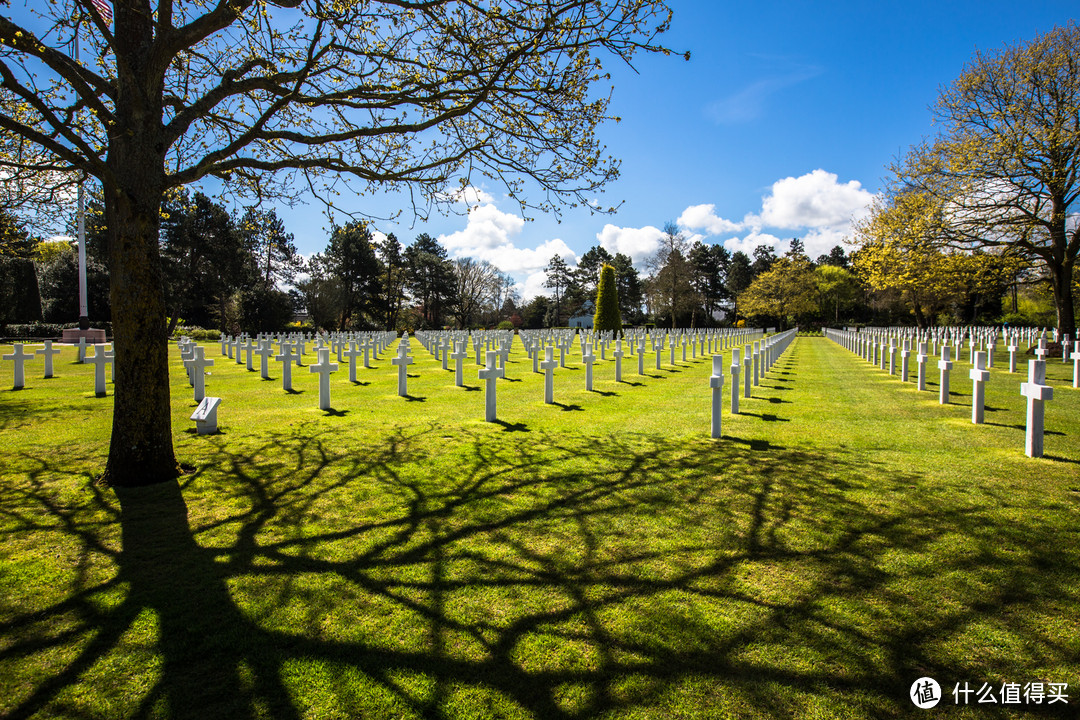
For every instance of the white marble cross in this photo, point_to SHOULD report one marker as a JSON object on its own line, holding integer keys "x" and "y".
{"x": 716, "y": 382}
{"x": 748, "y": 369}
{"x": 197, "y": 368}
{"x": 286, "y": 357}
{"x": 920, "y": 360}
{"x": 249, "y": 347}
{"x": 100, "y": 358}
{"x": 458, "y": 356}
{"x": 944, "y": 365}
{"x": 640, "y": 356}
{"x": 353, "y": 353}
{"x": 81, "y": 358}
{"x": 19, "y": 358}
{"x": 1075, "y": 359}
{"x": 618, "y": 360}
{"x": 588, "y": 358}
{"x": 403, "y": 361}
{"x": 49, "y": 352}
{"x": 1042, "y": 351}
{"x": 324, "y": 367}
{"x": 1037, "y": 393}
{"x": 736, "y": 368}
{"x": 265, "y": 352}
{"x": 548, "y": 366}
{"x": 490, "y": 374}
{"x": 979, "y": 375}
{"x": 905, "y": 360}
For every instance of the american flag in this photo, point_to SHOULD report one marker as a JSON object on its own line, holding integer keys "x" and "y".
{"x": 104, "y": 10}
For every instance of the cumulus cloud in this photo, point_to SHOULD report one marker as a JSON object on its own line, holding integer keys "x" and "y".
{"x": 814, "y": 200}
{"x": 489, "y": 235}
{"x": 470, "y": 196}
{"x": 704, "y": 217}
{"x": 637, "y": 243}
{"x": 816, "y": 206}
{"x": 753, "y": 240}
{"x": 533, "y": 286}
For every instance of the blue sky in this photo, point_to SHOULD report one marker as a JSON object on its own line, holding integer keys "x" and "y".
{"x": 781, "y": 125}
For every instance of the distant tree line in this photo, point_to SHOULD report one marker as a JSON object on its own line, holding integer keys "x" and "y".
{"x": 242, "y": 272}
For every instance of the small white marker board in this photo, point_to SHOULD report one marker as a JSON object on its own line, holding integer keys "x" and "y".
{"x": 205, "y": 416}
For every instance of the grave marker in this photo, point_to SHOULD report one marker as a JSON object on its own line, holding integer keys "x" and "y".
{"x": 490, "y": 376}
{"x": 1037, "y": 393}
{"x": 403, "y": 361}
{"x": 944, "y": 365}
{"x": 101, "y": 356}
{"x": 324, "y": 367}
{"x": 548, "y": 365}
{"x": 205, "y": 416}
{"x": 197, "y": 366}
{"x": 716, "y": 382}
{"x": 49, "y": 352}
{"x": 979, "y": 375}
{"x": 736, "y": 367}
{"x": 285, "y": 357}
{"x": 19, "y": 358}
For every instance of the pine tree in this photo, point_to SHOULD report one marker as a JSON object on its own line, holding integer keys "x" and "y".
{"x": 607, "y": 303}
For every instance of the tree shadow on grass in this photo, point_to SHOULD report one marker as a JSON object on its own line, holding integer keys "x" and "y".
{"x": 290, "y": 576}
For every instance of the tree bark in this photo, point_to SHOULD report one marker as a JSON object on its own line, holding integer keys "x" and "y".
{"x": 141, "y": 447}
{"x": 1061, "y": 275}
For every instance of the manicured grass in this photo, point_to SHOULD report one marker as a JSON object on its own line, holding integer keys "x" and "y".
{"x": 601, "y": 557}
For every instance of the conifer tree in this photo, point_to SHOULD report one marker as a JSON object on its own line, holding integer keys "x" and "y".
{"x": 607, "y": 302}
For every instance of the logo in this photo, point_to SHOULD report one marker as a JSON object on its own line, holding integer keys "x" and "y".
{"x": 925, "y": 693}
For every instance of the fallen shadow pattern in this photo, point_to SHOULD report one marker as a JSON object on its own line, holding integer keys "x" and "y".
{"x": 681, "y": 561}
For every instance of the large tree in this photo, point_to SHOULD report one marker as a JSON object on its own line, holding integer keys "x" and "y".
{"x": 351, "y": 262}
{"x": 431, "y": 278}
{"x": 671, "y": 285}
{"x": 288, "y": 97}
{"x": 1005, "y": 168}
{"x": 784, "y": 291}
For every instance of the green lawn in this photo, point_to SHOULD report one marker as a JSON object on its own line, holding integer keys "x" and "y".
{"x": 601, "y": 557}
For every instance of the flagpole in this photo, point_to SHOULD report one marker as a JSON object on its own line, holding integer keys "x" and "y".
{"x": 84, "y": 315}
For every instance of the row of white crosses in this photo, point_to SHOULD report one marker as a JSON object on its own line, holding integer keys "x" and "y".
{"x": 767, "y": 353}
{"x": 102, "y": 357}
{"x": 546, "y": 342}
{"x": 496, "y": 344}
{"x": 1035, "y": 389}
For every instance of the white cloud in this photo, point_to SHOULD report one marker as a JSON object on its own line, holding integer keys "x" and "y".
{"x": 488, "y": 235}
{"x": 533, "y": 286}
{"x": 704, "y": 217}
{"x": 469, "y": 196}
{"x": 638, "y": 243}
{"x": 820, "y": 241}
{"x": 487, "y": 227}
{"x": 814, "y": 200}
{"x": 751, "y": 241}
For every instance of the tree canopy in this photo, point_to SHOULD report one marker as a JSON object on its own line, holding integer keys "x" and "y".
{"x": 1004, "y": 171}
{"x": 284, "y": 99}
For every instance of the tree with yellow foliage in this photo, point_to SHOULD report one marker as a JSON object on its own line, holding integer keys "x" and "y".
{"x": 903, "y": 248}
{"x": 1004, "y": 171}
{"x": 784, "y": 291}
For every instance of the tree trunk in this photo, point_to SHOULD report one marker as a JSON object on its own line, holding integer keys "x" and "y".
{"x": 1061, "y": 279}
{"x": 141, "y": 447}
